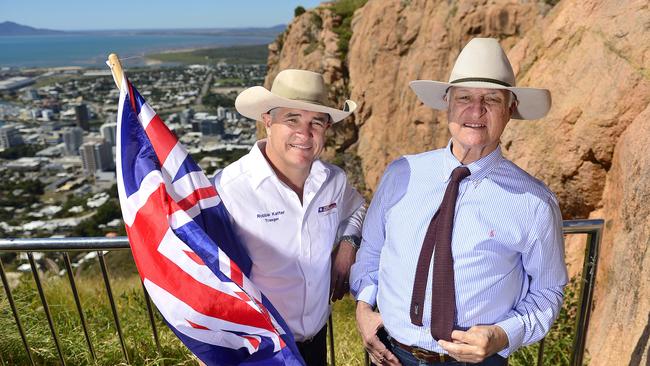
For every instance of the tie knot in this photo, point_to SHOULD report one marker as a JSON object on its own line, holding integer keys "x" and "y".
{"x": 459, "y": 173}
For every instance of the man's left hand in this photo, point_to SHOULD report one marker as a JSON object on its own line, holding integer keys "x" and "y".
{"x": 342, "y": 259}
{"x": 476, "y": 344}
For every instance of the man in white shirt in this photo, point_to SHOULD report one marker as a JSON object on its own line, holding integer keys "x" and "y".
{"x": 290, "y": 208}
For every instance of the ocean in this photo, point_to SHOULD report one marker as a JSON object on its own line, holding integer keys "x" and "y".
{"x": 93, "y": 49}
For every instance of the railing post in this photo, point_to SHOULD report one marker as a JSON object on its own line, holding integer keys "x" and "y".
{"x": 330, "y": 336}
{"x": 151, "y": 318}
{"x": 587, "y": 291}
{"x": 109, "y": 292}
{"x": 48, "y": 315}
{"x": 540, "y": 352}
{"x": 77, "y": 301}
{"x": 10, "y": 298}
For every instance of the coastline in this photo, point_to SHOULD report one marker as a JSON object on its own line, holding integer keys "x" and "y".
{"x": 89, "y": 51}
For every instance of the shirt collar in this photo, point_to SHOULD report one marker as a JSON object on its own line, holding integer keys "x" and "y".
{"x": 478, "y": 169}
{"x": 262, "y": 170}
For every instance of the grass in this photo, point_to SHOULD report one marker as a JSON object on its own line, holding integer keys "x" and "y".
{"x": 136, "y": 328}
{"x": 256, "y": 54}
{"x": 558, "y": 344}
{"x": 134, "y": 321}
{"x": 347, "y": 342}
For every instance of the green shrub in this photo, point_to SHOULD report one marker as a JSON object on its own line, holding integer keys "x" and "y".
{"x": 214, "y": 100}
{"x": 345, "y": 9}
{"x": 299, "y": 10}
{"x": 317, "y": 21}
{"x": 20, "y": 151}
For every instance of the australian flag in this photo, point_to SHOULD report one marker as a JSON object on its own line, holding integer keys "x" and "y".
{"x": 187, "y": 254}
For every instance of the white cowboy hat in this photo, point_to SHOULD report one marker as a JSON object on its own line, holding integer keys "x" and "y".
{"x": 483, "y": 64}
{"x": 299, "y": 89}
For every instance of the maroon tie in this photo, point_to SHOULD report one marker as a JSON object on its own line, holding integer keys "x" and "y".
{"x": 443, "y": 299}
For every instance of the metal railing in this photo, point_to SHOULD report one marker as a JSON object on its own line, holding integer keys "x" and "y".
{"x": 593, "y": 229}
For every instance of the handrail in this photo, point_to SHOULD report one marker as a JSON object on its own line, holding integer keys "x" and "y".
{"x": 63, "y": 244}
{"x": 593, "y": 229}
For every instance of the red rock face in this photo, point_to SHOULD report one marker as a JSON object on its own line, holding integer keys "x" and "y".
{"x": 310, "y": 43}
{"x": 592, "y": 149}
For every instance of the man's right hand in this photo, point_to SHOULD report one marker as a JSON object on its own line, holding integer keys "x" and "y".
{"x": 368, "y": 323}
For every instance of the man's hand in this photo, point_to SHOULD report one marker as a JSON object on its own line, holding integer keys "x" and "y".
{"x": 476, "y": 344}
{"x": 368, "y": 323}
{"x": 342, "y": 259}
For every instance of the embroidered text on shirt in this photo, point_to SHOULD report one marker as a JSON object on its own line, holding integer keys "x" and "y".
{"x": 270, "y": 216}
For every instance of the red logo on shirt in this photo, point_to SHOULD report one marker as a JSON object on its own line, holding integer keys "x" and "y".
{"x": 492, "y": 233}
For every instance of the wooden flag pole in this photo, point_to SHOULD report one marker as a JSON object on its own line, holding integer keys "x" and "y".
{"x": 116, "y": 69}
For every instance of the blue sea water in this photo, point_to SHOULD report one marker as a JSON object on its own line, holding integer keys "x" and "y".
{"x": 93, "y": 49}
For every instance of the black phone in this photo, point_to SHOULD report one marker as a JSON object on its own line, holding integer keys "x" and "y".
{"x": 382, "y": 334}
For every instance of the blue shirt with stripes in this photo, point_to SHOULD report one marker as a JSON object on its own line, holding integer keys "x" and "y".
{"x": 507, "y": 246}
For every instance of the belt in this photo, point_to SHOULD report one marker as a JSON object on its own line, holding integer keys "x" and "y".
{"x": 422, "y": 354}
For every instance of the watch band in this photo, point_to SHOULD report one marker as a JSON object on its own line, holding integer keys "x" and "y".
{"x": 352, "y": 239}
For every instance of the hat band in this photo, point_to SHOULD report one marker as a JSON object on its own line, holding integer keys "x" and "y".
{"x": 302, "y": 99}
{"x": 486, "y": 80}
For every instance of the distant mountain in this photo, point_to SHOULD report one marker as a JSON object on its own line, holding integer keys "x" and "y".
{"x": 15, "y": 29}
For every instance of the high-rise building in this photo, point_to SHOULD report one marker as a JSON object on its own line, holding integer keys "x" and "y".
{"x": 31, "y": 95}
{"x": 211, "y": 127}
{"x": 96, "y": 156}
{"x": 221, "y": 112}
{"x": 47, "y": 114}
{"x": 186, "y": 116}
{"x": 108, "y": 132}
{"x": 72, "y": 139}
{"x": 9, "y": 137}
{"x": 82, "y": 116}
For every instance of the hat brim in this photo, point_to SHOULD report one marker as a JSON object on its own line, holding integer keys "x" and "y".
{"x": 532, "y": 103}
{"x": 257, "y": 100}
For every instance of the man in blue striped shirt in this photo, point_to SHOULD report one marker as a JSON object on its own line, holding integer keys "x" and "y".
{"x": 507, "y": 248}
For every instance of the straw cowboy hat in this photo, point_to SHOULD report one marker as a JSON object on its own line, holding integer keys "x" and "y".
{"x": 299, "y": 89}
{"x": 483, "y": 64}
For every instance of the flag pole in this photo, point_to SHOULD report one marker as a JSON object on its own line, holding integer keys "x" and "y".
{"x": 116, "y": 68}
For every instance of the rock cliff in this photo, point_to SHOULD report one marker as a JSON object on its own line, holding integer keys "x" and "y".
{"x": 592, "y": 149}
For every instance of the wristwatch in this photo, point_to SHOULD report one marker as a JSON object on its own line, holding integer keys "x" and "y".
{"x": 352, "y": 239}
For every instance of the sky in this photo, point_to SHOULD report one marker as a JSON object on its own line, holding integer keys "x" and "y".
{"x": 149, "y": 14}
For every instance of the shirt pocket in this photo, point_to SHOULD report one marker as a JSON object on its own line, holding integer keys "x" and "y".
{"x": 328, "y": 223}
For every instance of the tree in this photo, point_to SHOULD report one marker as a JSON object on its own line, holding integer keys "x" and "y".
{"x": 298, "y": 11}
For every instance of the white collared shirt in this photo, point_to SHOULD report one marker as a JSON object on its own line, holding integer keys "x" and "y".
{"x": 290, "y": 243}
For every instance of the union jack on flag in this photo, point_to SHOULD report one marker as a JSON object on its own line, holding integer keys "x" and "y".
{"x": 187, "y": 254}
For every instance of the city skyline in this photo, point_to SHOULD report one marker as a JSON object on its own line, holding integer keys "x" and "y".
{"x": 75, "y": 15}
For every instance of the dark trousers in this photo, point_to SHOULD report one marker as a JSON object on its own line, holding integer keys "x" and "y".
{"x": 314, "y": 351}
